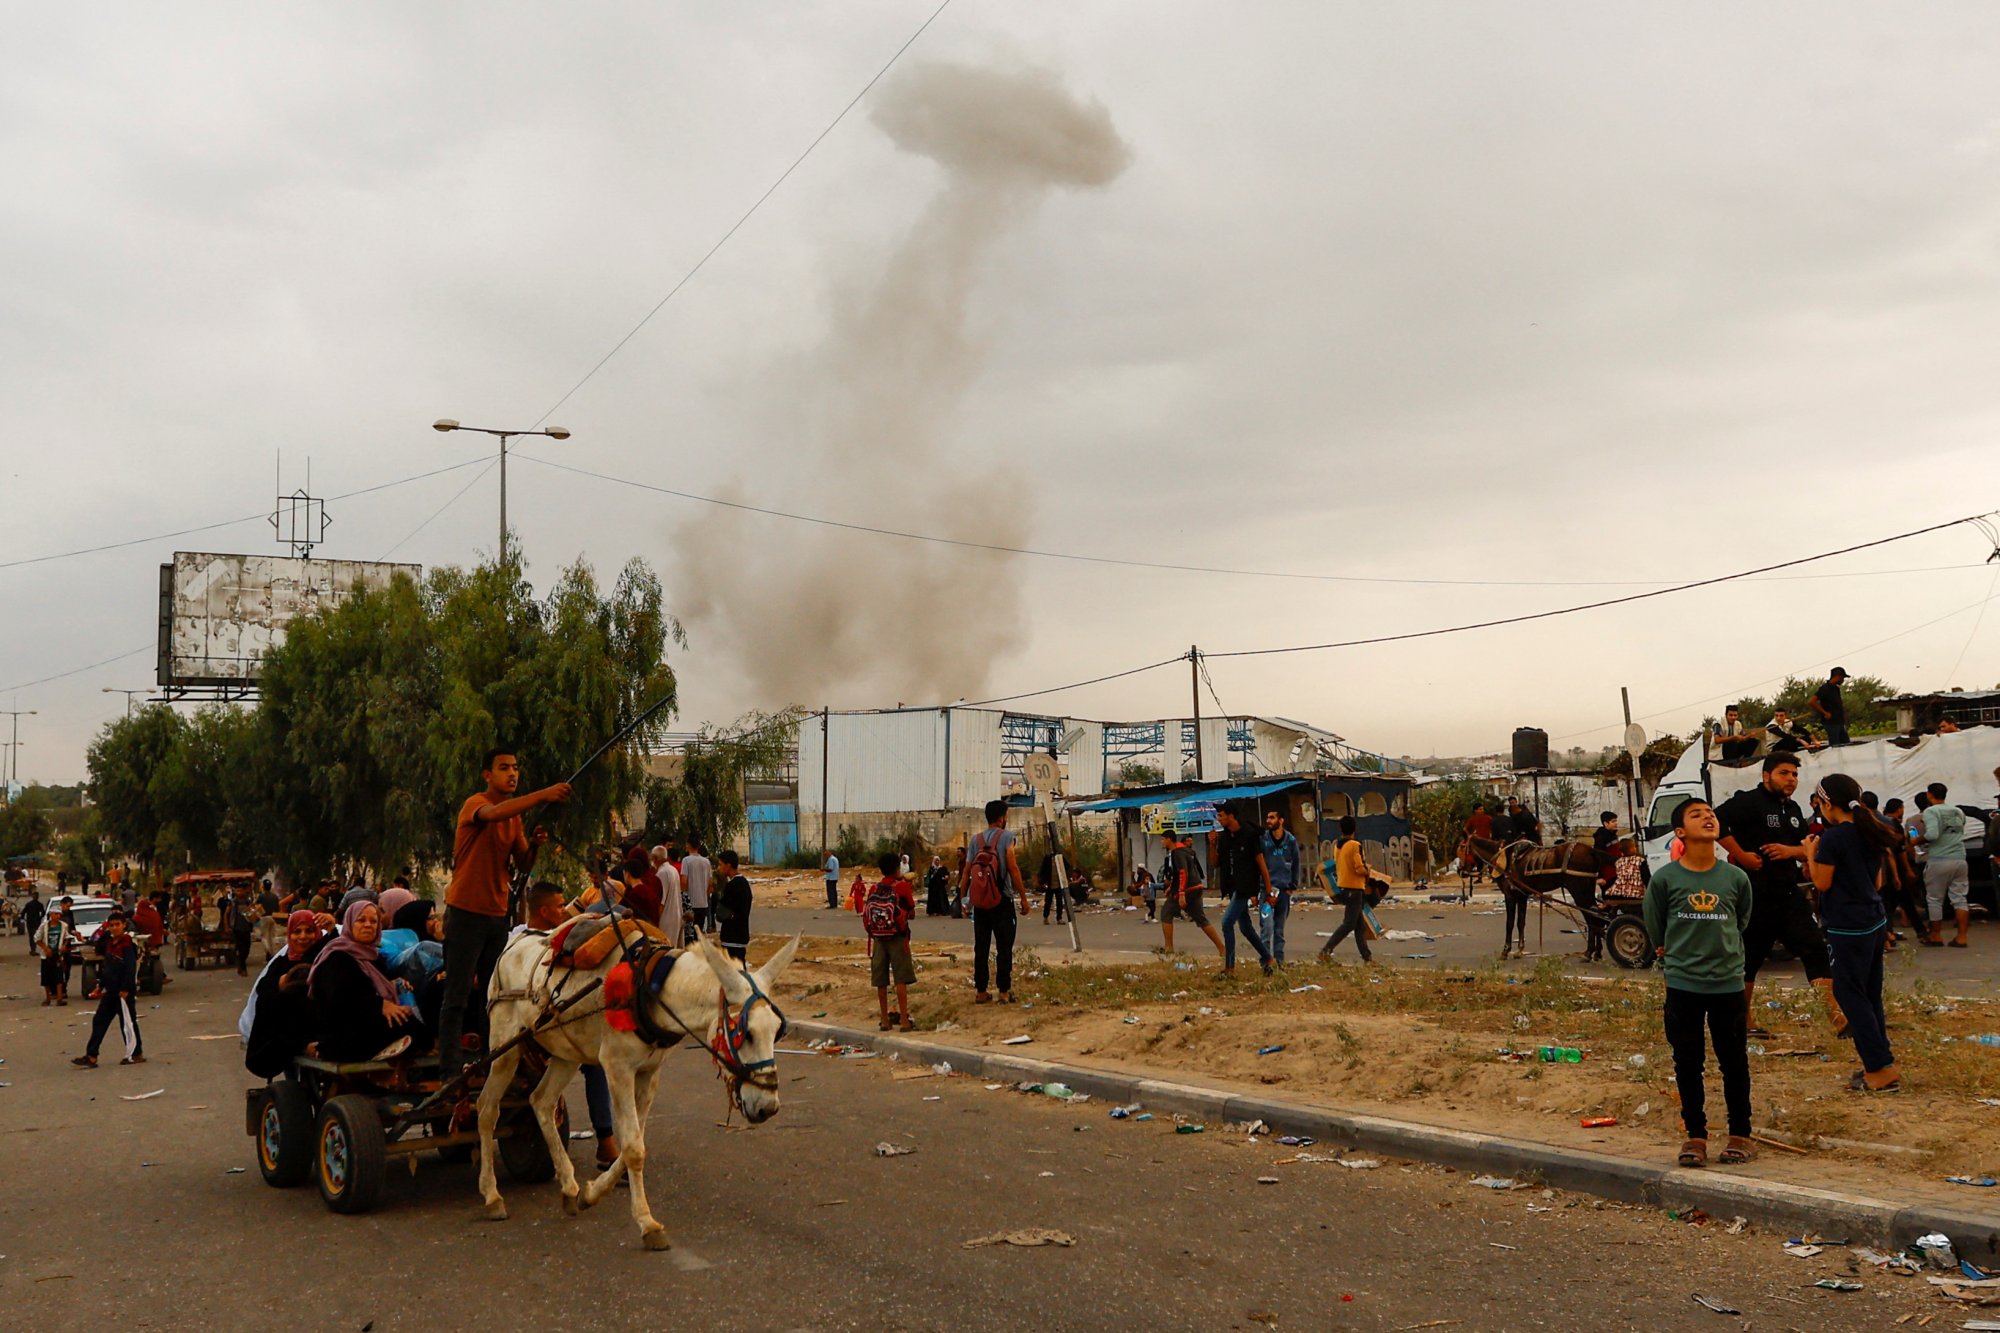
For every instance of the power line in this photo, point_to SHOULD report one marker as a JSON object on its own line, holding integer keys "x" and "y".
{"x": 225, "y": 523}
{"x": 477, "y": 477}
{"x": 1039, "y": 553}
{"x": 1058, "y": 689}
{"x": 1597, "y": 605}
{"x": 78, "y": 671}
{"x": 783, "y": 176}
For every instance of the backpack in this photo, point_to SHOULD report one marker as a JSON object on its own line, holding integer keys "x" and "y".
{"x": 982, "y": 877}
{"x": 882, "y": 912}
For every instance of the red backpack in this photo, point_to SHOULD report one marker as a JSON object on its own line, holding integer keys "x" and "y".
{"x": 882, "y": 913}
{"x": 982, "y": 876}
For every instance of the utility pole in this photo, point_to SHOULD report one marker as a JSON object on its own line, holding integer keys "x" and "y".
{"x": 1194, "y": 683}
{"x": 14, "y": 750}
{"x": 825, "y": 718}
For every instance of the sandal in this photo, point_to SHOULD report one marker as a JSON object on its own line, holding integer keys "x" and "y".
{"x": 85, "y": 1062}
{"x": 1694, "y": 1153}
{"x": 906, "y": 1025}
{"x": 1860, "y": 1083}
{"x": 1738, "y": 1152}
{"x": 884, "y": 1023}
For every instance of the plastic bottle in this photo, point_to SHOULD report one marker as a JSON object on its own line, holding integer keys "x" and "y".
{"x": 1986, "y": 1039}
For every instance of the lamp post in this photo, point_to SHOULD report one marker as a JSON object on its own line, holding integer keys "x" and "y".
{"x": 108, "y": 689}
{"x": 553, "y": 432}
{"x": 13, "y": 750}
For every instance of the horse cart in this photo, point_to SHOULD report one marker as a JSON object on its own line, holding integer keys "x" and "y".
{"x": 198, "y": 936}
{"x": 1527, "y": 873}
{"x": 341, "y": 1124}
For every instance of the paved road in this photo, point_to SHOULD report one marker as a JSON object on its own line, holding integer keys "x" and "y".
{"x": 128, "y": 1211}
{"x": 1462, "y": 937}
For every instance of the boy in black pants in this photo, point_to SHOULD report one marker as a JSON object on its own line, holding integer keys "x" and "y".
{"x": 117, "y": 981}
{"x": 1697, "y": 909}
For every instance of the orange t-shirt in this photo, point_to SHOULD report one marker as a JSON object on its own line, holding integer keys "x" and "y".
{"x": 479, "y": 859}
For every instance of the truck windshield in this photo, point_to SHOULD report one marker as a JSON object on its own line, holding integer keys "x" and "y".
{"x": 1660, "y": 819}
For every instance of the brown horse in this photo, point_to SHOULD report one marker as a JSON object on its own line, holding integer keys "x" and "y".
{"x": 1524, "y": 870}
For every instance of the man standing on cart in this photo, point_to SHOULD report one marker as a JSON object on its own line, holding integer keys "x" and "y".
{"x": 489, "y": 838}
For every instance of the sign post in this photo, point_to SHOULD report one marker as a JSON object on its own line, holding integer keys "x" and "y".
{"x": 1044, "y": 774}
{"x": 1635, "y": 746}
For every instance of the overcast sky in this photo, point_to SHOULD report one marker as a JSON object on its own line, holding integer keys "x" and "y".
{"x": 1526, "y": 292}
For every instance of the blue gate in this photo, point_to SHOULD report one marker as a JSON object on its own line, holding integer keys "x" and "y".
{"x": 774, "y": 832}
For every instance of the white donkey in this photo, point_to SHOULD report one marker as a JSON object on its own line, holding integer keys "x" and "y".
{"x": 697, "y": 990}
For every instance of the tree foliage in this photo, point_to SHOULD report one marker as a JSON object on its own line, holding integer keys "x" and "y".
{"x": 374, "y": 717}
{"x": 1136, "y": 773}
{"x": 1867, "y": 714}
{"x": 705, "y": 799}
{"x": 1439, "y": 811}
{"x": 1563, "y": 803}
{"x": 24, "y": 830}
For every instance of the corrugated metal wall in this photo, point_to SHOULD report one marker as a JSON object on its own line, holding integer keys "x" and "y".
{"x": 975, "y": 757}
{"x": 1214, "y": 741}
{"x": 1086, "y": 761}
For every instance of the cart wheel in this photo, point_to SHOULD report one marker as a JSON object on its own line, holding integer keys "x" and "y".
{"x": 524, "y": 1152}
{"x": 353, "y": 1153}
{"x": 152, "y": 977}
{"x": 285, "y": 1135}
{"x": 1628, "y": 942}
{"x": 89, "y": 977}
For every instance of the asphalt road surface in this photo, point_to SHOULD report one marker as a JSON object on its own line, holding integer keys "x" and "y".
{"x": 1460, "y": 937}
{"x": 151, "y": 1214}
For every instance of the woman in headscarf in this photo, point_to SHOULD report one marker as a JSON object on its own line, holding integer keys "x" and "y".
{"x": 394, "y": 900}
{"x": 362, "y": 1014}
{"x": 413, "y": 951}
{"x": 278, "y": 1021}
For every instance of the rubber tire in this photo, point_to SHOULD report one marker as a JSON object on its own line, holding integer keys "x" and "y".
{"x": 287, "y": 1116}
{"x": 1626, "y": 940}
{"x": 354, "y": 1122}
{"x": 152, "y": 976}
{"x": 88, "y": 976}
{"x": 525, "y": 1153}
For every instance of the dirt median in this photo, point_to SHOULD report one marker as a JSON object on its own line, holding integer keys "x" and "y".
{"x": 1460, "y": 1049}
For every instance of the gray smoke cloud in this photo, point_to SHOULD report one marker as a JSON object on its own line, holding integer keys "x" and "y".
{"x": 808, "y": 614}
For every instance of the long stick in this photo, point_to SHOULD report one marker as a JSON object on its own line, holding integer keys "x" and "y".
{"x": 621, "y": 734}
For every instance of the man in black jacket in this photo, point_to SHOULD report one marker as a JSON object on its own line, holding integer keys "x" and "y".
{"x": 117, "y": 981}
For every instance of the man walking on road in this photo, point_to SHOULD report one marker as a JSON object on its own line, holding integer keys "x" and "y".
{"x": 1181, "y": 890}
{"x": 1238, "y": 855}
{"x": 832, "y": 869}
{"x": 488, "y": 839}
{"x": 117, "y": 984}
{"x": 1281, "y": 859}
{"x": 1350, "y": 887}
{"x": 32, "y": 913}
{"x": 1764, "y": 832}
{"x": 992, "y": 884}
{"x": 698, "y": 874}
{"x": 1830, "y": 707}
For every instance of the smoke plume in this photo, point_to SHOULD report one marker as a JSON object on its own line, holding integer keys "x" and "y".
{"x": 813, "y": 614}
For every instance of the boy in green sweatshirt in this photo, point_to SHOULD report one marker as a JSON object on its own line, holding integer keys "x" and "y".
{"x": 1697, "y": 909}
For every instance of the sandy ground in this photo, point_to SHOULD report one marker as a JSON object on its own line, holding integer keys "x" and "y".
{"x": 1429, "y": 1047}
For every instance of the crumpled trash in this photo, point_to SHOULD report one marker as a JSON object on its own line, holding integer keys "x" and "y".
{"x": 1359, "y": 1163}
{"x": 1499, "y": 1183}
{"x": 1309, "y": 986}
{"x": 1190, "y": 1129}
{"x": 1060, "y": 1091}
{"x": 1837, "y": 1284}
{"x": 1269, "y": 1050}
{"x": 1711, "y": 1303}
{"x": 941, "y": 1067}
{"x": 1798, "y": 1251}
{"x": 1026, "y": 1237}
{"x": 1936, "y": 1249}
{"x": 1021, "y": 1040}
{"x": 1124, "y": 1112}
{"x": 1894, "y": 1263}
{"x": 1981, "y": 1182}
{"x": 142, "y": 1096}
{"x": 1736, "y": 1225}
{"x": 1636, "y": 1061}
{"x": 888, "y": 1149}
{"x": 1298, "y": 1140}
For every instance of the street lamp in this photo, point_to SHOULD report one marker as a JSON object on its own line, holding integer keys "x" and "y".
{"x": 107, "y": 689}
{"x": 553, "y": 432}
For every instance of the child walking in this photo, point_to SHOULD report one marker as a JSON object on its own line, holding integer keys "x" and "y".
{"x": 1697, "y": 909}
{"x": 886, "y": 910}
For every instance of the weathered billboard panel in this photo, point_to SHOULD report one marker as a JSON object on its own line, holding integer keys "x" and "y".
{"x": 219, "y": 613}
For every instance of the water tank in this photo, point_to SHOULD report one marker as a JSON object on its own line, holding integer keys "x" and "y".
{"x": 1531, "y": 747}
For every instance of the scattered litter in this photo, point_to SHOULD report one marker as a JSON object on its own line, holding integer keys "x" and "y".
{"x": 1204, "y": 1011}
{"x": 1982, "y": 1182}
{"x": 1598, "y": 1121}
{"x": 995, "y": 1087}
{"x": 941, "y": 1067}
{"x": 1267, "y": 1180}
{"x": 1736, "y": 1225}
{"x": 1298, "y": 1140}
{"x": 1499, "y": 1183}
{"x": 1419, "y": 955}
{"x": 1798, "y": 1251}
{"x": 1901, "y": 1264}
{"x": 1989, "y": 1101}
{"x": 1131, "y": 1019}
{"x": 1359, "y": 1163}
{"x": 1539, "y": 1208}
{"x": 859, "y": 1055}
{"x": 1027, "y": 1238}
{"x": 1983, "y": 1325}
{"x": 831, "y": 1203}
{"x": 1403, "y": 935}
{"x": 1143, "y": 1115}
{"x": 1045, "y": 1175}
{"x": 143, "y": 1096}
{"x": 223, "y": 1036}
{"x": 577, "y": 1135}
{"x": 1273, "y": 1050}
{"x": 1521, "y": 1022}
{"x": 1021, "y": 1040}
{"x": 933, "y": 1099}
{"x": 946, "y": 1026}
{"x": 1837, "y": 1284}
{"x": 1498, "y": 1246}
{"x": 1124, "y": 1112}
{"x": 1250, "y": 1127}
{"x": 1974, "y": 1271}
{"x": 1301, "y": 990}
{"x": 1710, "y": 1303}
{"x": 235, "y": 1170}
{"x": 1936, "y": 1247}
{"x": 1636, "y": 1061}
{"x": 1642, "y": 1110}
{"x": 1183, "y": 967}
{"x": 1190, "y": 1129}
{"x": 888, "y": 1149}
{"x": 1060, "y": 1091}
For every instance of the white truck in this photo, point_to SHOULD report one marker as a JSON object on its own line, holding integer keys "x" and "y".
{"x": 1890, "y": 766}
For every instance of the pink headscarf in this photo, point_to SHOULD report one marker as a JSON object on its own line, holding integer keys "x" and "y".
{"x": 393, "y": 901}
{"x": 298, "y": 918}
{"x": 363, "y": 954}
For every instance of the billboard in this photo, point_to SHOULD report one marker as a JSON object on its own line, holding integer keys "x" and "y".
{"x": 219, "y": 613}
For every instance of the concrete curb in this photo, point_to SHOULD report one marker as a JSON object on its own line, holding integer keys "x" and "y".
{"x": 1791, "y": 1208}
